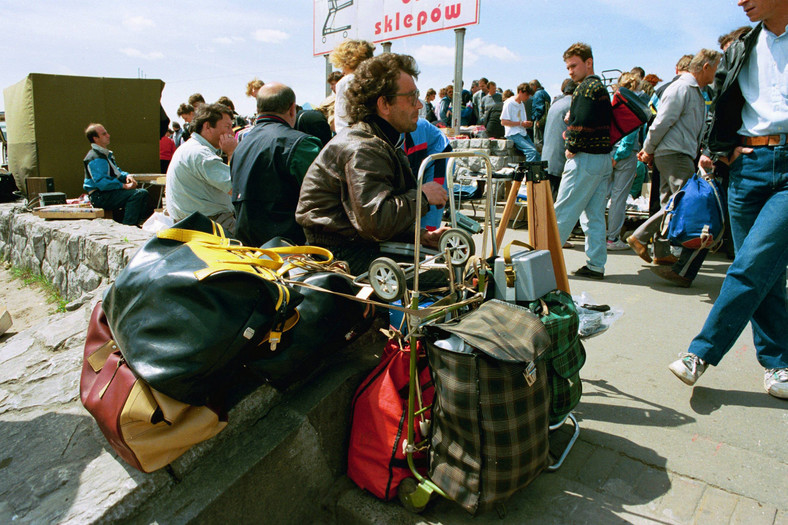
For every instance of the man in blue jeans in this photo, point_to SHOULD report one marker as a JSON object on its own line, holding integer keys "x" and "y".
{"x": 748, "y": 133}
{"x": 109, "y": 187}
{"x": 586, "y": 176}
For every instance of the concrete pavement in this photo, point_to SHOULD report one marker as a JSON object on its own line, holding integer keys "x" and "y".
{"x": 651, "y": 449}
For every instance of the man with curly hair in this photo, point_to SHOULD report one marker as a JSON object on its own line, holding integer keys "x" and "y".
{"x": 360, "y": 191}
{"x": 347, "y": 56}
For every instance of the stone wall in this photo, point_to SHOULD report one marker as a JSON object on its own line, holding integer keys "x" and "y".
{"x": 276, "y": 461}
{"x": 77, "y": 256}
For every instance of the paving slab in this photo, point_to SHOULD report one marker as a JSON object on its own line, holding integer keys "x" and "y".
{"x": 651, "y": 449}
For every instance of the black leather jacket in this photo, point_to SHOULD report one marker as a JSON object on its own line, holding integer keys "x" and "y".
{"x": 725, "y": 113}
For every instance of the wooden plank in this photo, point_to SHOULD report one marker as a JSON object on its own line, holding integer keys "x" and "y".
{"x": 63, "y": 212}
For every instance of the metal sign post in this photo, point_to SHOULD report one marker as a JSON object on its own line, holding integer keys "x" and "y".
{"x": 456, "y": 104}
{"x": 329, "y": 69}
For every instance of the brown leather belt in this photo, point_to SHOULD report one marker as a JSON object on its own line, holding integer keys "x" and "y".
{"x": 764, "y": 140}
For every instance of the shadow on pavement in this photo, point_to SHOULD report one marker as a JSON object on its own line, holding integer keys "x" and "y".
{"x": 706, "y": 400}
{"x": 595, "y": 485}
{"x": 648, "y": 414}
{"x": 41, "y": 462}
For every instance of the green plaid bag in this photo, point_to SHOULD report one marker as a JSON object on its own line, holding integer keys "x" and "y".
{"x": 566, "y": 355}
{"x": 490, "y": 412}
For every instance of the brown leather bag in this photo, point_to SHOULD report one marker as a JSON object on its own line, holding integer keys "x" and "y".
{"x": 146, "y": 428}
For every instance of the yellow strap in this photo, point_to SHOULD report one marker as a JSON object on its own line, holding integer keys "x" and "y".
{"x": 304, "y": 250}
{"x": 178, "y": 234}
{"x": 275, "y": 335}
{"x": 507, "y": 251}
{"x": 508, "y": 270}
{"x": 267, "y": 262}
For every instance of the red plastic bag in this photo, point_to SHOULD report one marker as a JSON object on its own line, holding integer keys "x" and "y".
{"x": 378, "y": 428}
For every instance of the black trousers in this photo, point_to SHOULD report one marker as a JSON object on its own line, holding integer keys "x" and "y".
{"x": 135, "y": 203}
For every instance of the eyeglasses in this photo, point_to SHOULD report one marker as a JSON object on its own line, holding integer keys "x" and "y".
{"x": 414, "y": 96}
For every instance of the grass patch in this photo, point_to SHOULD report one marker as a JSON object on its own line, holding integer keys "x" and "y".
{"x": 42, "y": 283}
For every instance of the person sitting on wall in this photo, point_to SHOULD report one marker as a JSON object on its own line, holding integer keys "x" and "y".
{"x": 197, "y": 179}
{"x": 360, "y": 191}
{"x": 109, "y": 187}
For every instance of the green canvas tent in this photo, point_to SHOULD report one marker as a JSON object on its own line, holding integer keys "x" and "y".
{"x": 46, "y": 116}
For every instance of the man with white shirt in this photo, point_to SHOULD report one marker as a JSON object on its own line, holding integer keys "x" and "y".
{"x": 516, "y": 123}
{"x": 197, "y": 179}
{"x": 748, "y": 134}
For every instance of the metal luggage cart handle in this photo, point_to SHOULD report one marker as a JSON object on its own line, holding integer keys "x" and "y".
{"x": 452, "y": 211}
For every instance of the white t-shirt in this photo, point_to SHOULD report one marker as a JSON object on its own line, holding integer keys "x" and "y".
{"x": 340, "y": 113}
{"x": 513, "y": 110}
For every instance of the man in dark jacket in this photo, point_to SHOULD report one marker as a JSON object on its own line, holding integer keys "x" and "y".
{"x": 108, "y": 186}
{"x": 748, "y": 136}
{"x": 267, "y": 169}
{"x": 360, "y": 191}
{"x": 586, "y": 175}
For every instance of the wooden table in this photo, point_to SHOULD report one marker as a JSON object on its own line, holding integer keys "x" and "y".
{"x": 145, "y": 180}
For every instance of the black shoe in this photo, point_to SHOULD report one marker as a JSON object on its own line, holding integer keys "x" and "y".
{"x": 585, "y": 271}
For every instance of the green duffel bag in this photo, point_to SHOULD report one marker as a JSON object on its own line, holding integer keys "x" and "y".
{"x": 191, "y": 303}
{"x": 566, "y": 355}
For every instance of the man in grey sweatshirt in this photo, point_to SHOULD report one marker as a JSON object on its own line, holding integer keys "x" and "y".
{"x": 672, "y": 143}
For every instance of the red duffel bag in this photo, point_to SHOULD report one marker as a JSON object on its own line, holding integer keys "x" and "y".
{"x": 379, "y": 424}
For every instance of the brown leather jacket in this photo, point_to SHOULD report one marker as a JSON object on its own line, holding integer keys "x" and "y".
{"x": 359, "y": 188}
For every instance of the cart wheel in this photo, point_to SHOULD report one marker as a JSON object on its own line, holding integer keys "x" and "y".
{"x": 460, "y": 245}
{"x": 387, "y": 279}
{"x": 410, "y": 496}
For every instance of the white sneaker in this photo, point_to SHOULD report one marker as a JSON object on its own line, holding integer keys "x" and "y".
{"x": 617, "y": 246}
{"x": 688, "y": 368}
{"x": 775, "y": 381}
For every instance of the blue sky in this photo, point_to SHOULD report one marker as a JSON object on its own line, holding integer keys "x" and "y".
{"x": 216, "y": 47}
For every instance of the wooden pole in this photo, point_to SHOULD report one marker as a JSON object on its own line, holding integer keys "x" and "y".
{"x": 543, "y": 228}
{"x": 507, "y": 211}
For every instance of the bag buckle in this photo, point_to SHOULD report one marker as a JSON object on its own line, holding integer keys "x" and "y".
{"x": 530, "y": 373}
{"x": 279, "y": 325}
{"x": 510, "y": 274}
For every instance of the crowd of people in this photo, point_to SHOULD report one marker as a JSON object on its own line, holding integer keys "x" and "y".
{"x": 341, "y": 176}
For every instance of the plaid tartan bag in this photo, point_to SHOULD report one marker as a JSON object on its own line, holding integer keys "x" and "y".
{"x": 490, "y": 413}
{"x": 566, "y": 355}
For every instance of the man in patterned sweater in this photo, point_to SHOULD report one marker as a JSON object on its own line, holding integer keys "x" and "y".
{"x": 587, "y": 171}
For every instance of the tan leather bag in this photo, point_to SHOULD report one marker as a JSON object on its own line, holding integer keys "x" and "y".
{"x": 148, "y": 429}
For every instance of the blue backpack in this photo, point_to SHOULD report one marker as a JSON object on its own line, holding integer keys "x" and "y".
{"x": 695, "y": 216}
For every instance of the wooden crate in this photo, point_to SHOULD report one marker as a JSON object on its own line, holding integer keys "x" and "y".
{"x": 36, "y": 185}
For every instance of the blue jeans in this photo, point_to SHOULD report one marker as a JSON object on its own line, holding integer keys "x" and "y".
{"x": 754, "y": 288}
{"x": 526, "y": 145}
{"x": 583, "y": 195}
